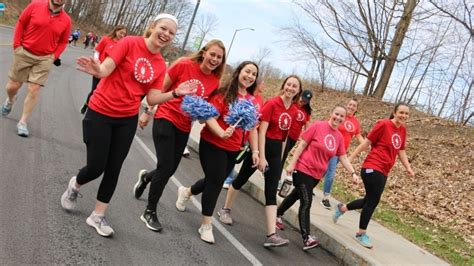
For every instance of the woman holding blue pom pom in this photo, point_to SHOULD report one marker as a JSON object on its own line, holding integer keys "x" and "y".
{"x": 277, "y": 116}
{"x": 171, "y": 126}
{"x": 217, "y": 155}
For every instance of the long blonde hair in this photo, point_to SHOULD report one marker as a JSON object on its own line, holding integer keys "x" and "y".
{"x": 198, "y": 56}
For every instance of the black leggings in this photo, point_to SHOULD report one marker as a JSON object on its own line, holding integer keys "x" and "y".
{"x": 303, "y": 191}
{"x": 374, "y": 184}
{"x": 169, "y": 146}
{"x": 216, "y": 164}
{"x": 95, "y": 81}
{"x": 108, "y": 141}
{"x": 273, "y": 156}
{"x": 290, "y": 143}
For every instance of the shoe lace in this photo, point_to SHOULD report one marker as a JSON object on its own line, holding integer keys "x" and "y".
{"x": 73, "y": 195}
{"x": 103, "y": 222}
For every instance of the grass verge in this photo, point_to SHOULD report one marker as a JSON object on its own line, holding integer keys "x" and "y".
{"x": 438, "y": 240}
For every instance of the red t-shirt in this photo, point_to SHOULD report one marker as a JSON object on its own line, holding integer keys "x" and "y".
{"x": 324, "y": 142}
{"x": 386, "y": 140}
{"x": 137, "y": 71}
{"x": 349, "y": 128}
{"x": 40, "y": 33}
{"x": 232, "y": 143}
{"x": 104, "y": 46}
{"x": 186, "y": 70}
{"x": 278, "y": 117}
{"x": 300, "y": 120}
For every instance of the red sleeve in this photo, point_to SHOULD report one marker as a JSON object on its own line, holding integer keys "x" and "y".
{"x": 63, "y": 40}
{"x": 175, "y": 70}
{"x": 101, "y": 45}
{"x": 218, "y": 101}
{"x": 267, "y": 111}
{"x": 23, "y": 20}
{"x": 341, "y": 149}
{"x": 308, "y": 134}
{"x": 119, "y": 51}
{"x": 404, "y": 138}
{"x": 357, "y": 131}
{"x": 158, "y": 83}
{"x": 376, "y": 132}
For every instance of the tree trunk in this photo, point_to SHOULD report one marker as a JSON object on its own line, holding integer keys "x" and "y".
{"x": 402, "y": 28}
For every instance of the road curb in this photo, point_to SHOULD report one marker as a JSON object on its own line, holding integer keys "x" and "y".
{"x": 256, "y": 190}
{"x": 338, "y": 239}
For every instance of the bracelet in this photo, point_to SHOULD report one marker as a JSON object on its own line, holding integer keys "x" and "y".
{"x": 353, "y": 173}
{"x": 255, "y": 152}
{"x": 175, "y": 95}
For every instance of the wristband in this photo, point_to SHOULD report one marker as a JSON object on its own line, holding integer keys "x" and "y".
{"x": 175, "y": 95}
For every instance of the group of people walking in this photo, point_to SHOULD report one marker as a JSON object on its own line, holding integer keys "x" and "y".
{"x": 128, "y": 69}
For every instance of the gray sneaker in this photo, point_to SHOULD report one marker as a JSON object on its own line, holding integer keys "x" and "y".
{"x": 6, "y": 107}
{"x": 22, "y": 130}
{"x": 275, "y": 241}
{"x": 224, "y": 216}
{"x": 100, "y": 224}
{"x": 69, "y": 197}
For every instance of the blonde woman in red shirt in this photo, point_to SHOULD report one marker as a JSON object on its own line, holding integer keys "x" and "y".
{"x": 171, "y": 126}
{"x": 133, "y": 69}
{"x": 387, "y": 140}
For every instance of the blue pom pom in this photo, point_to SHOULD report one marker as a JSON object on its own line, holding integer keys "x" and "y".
{"x": 243, "y": 114}
{"x": 197, "y": 108}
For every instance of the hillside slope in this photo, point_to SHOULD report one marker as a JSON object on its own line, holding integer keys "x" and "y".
{"x": 441, "y": 154}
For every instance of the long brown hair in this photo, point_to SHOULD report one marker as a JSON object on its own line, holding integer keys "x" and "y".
{"x": 230, "y": 89}
{"x": 198, "y": 56}
{"x": 113, "y": 34}
{"x": 298, "y": 95}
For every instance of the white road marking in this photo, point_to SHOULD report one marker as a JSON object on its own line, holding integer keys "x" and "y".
{"x": 215, "y": 223}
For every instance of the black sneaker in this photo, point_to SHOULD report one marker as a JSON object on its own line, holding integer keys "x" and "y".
{"x": 151, "y": 220}
{"x": 326, "y": 204}
{"x": 141, "y": 184}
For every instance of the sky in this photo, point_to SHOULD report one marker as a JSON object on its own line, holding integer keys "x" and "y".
{"x": 264, "y": 16}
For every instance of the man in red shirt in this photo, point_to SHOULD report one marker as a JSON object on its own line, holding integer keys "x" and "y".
{"x": 41, "y": 35}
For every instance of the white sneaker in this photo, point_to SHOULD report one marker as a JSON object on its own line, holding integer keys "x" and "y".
{"x": 186, "y": 152}
{"x": 100, "y": 224}
{"x": 206, "y": 233}
{"x": 182, "y": 199}
{"x": 69, "y": 197}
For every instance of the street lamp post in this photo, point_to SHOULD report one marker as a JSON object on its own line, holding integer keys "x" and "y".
{"x": 233, "y": 37}
{"x": 189, "y": 28}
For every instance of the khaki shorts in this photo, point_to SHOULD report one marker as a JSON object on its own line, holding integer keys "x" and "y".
{"x": 27, "y": 67}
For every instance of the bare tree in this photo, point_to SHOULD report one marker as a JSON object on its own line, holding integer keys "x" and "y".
{"x": 402, "y": 28}
{"x": 205, "y": 24}
{"x": 360, "y": 30}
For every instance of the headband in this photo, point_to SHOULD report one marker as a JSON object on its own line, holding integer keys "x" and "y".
{"x": 168, "y": 16}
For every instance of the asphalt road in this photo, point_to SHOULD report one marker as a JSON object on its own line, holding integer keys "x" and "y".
{"x": 35, "y": 171}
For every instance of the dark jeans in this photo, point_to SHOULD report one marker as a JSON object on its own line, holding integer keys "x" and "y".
{"x": 374, "y": 184}
{"x": 108, "y": 141}
{"x": 273, "y": 156}
{"x": 216, "y": 164}
{"x": 303, "y": 191}
{"x": 169, "y": 146}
